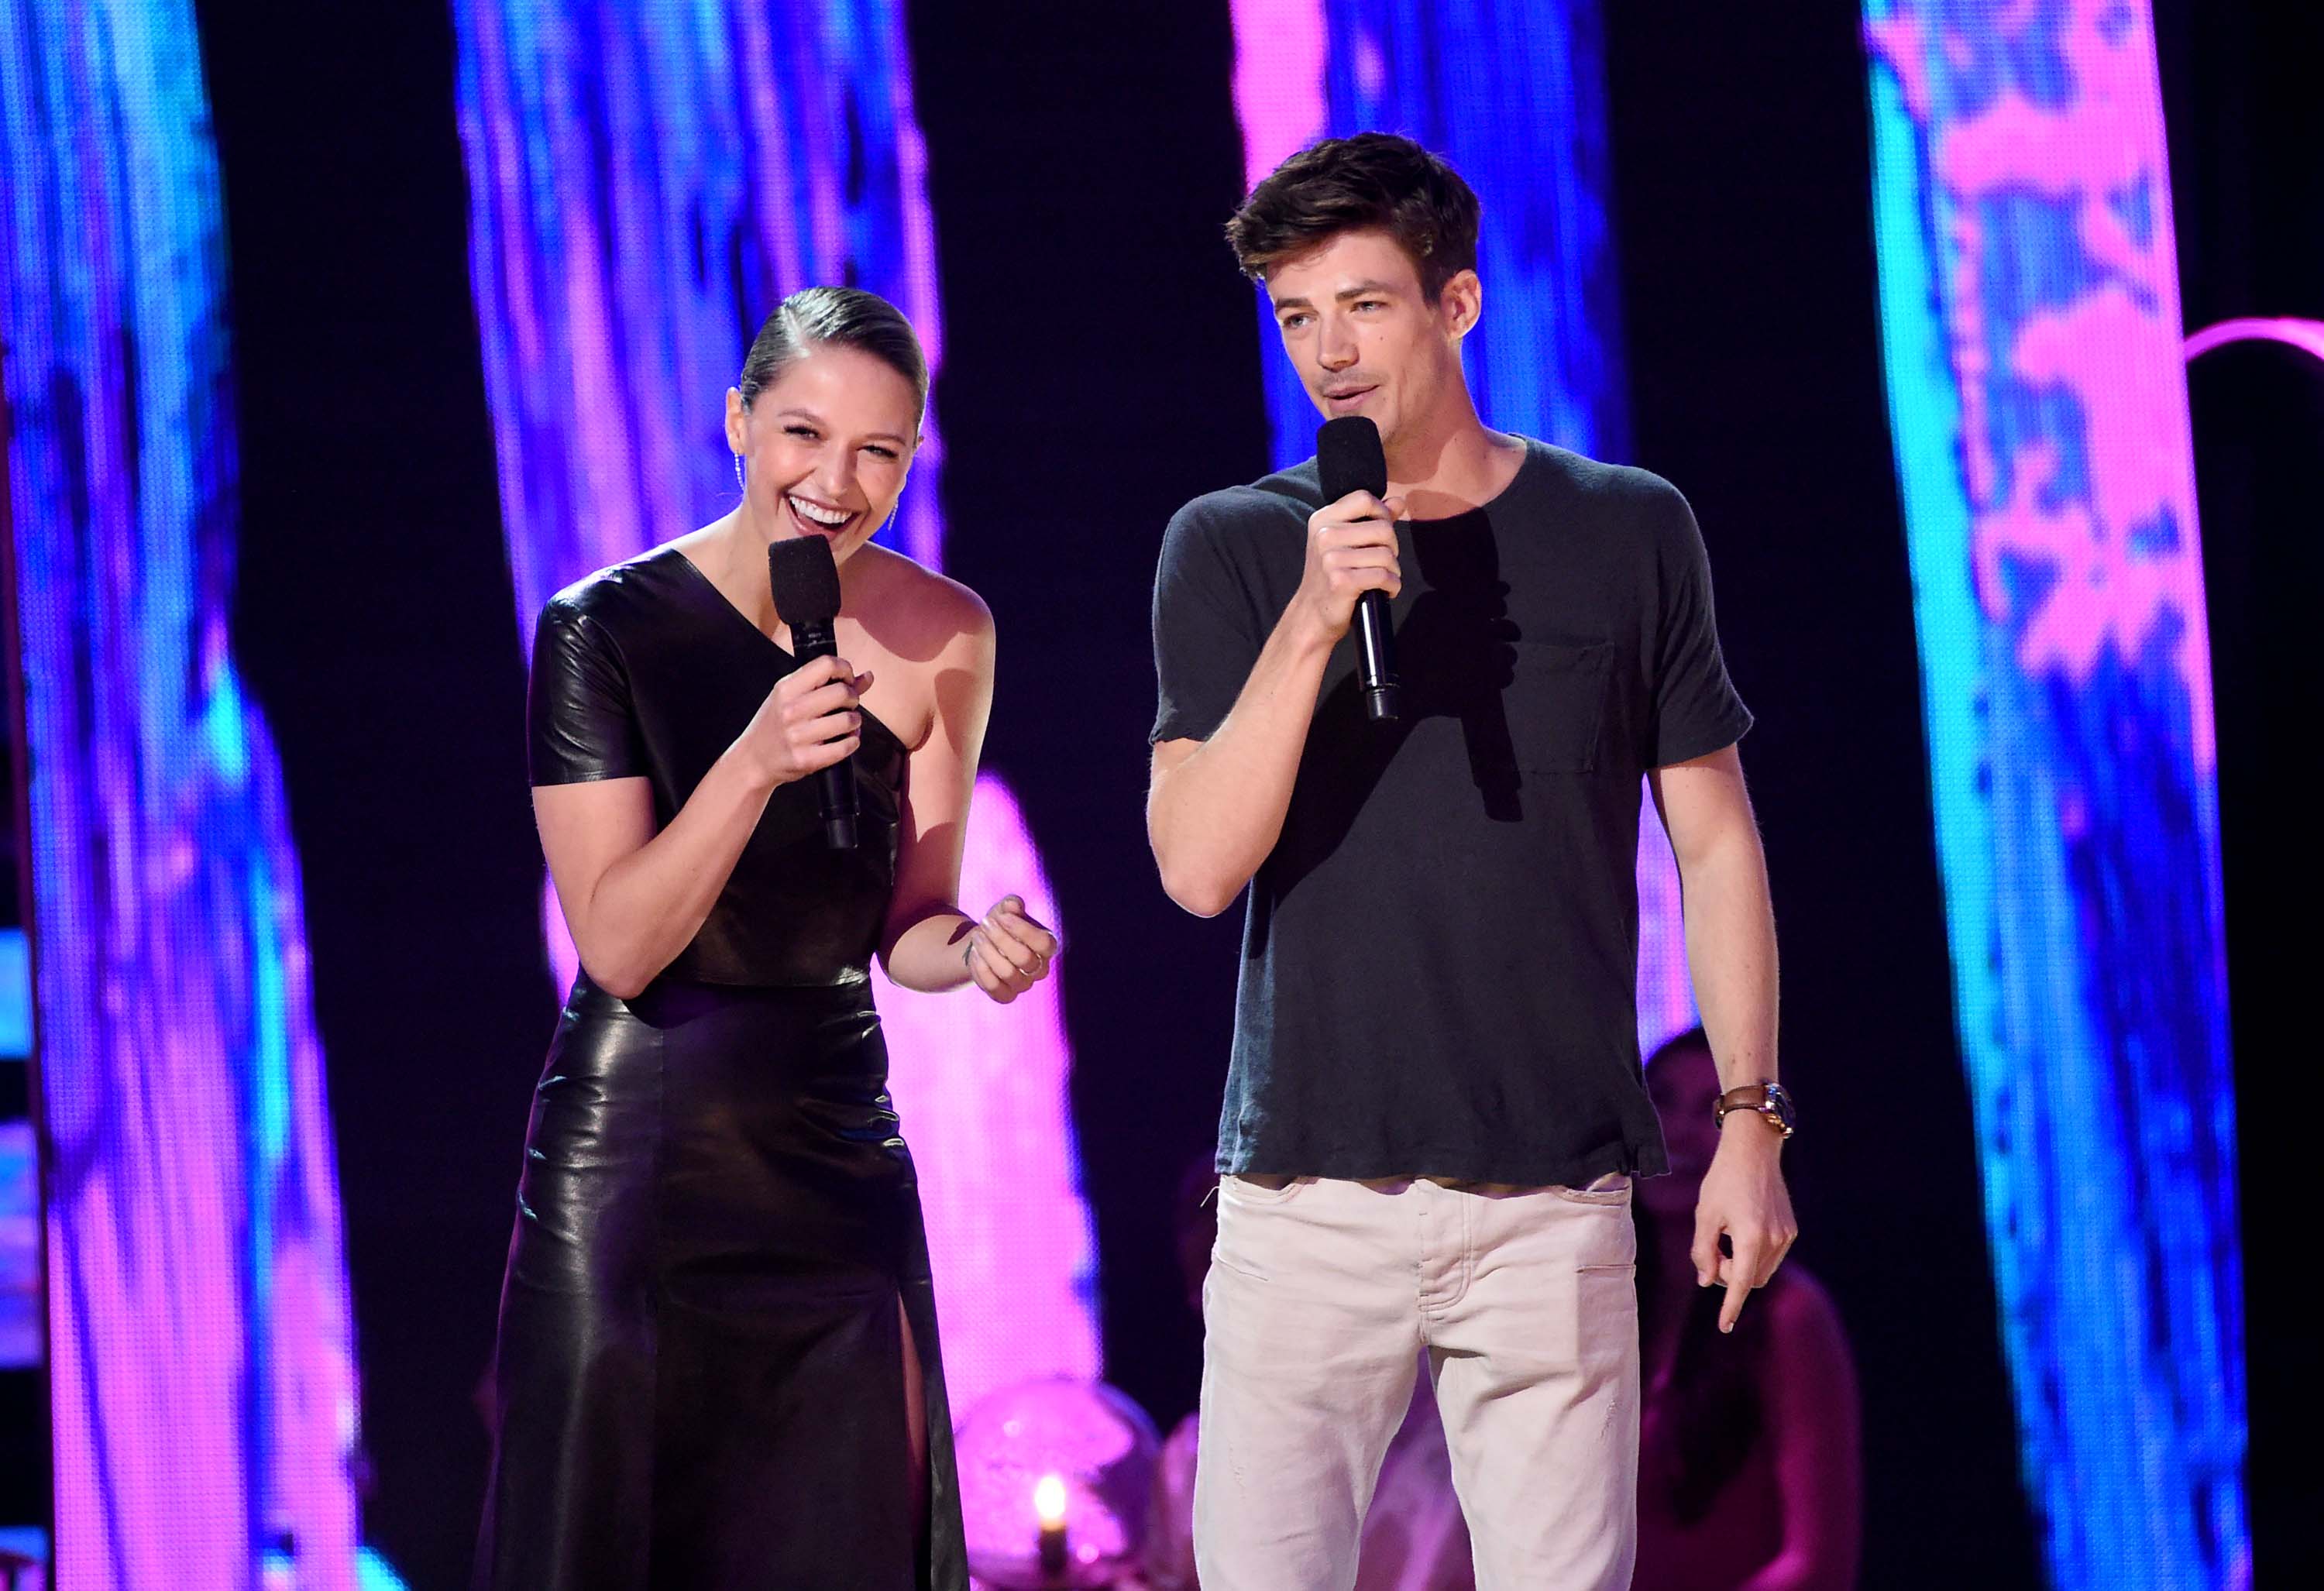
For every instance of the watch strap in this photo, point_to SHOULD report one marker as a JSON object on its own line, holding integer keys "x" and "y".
{"x": 1766, "y": 1098}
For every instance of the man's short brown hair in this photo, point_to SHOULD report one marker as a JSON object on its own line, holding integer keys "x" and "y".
{"x": 1372, "y": 182}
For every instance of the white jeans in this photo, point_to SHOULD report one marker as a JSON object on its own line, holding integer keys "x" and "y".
{"x": 1320, "y": 1296}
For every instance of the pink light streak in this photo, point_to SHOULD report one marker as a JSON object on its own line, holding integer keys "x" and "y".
{"x": 2307, "y": 335}
{"x": 982, "y": 1090}
{"x": 1279, "y": 80}
{"x": 1903, "y": 42}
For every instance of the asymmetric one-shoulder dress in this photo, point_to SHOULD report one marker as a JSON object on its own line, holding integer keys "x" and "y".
{"x": 700, "y": 1380}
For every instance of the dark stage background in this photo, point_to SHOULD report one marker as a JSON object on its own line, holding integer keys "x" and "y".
{"x": 2248, "y": 178}
{"x": 1102, "y": 367}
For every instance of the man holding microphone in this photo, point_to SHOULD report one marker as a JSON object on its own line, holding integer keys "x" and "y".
{"x": 1435, "y": 1105}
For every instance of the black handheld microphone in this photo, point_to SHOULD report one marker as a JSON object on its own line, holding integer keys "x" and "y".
{"x": 807, "y": 598}
{"x": 1349, "y": 457}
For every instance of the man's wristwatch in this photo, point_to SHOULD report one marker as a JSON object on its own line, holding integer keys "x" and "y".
{"x": 1767, "y": 1099}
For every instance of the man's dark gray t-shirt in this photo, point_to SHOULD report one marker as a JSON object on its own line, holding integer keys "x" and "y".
{"x": 1439, "y": 965}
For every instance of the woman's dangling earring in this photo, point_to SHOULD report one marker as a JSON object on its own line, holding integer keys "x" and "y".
{"x": 739, "y": 486}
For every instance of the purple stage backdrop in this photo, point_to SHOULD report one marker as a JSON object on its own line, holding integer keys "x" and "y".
{"x": 200, "y": 1352}
{"x": 647, "y": 182}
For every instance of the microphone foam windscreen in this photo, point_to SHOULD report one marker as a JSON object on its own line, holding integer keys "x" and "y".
{"x": 806, "y": 580}
{"x": 1349, "y": 457}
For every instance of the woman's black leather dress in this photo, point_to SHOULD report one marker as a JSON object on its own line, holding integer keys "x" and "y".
{"x": 700, "y": 1376}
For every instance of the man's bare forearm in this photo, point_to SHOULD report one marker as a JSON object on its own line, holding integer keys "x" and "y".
{"x": 1214, "y": 815}
{"x": 1730, "y": 948}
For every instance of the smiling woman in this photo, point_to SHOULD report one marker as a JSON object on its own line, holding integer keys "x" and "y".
{"x": 718, "y": 1292}
{"x": 755, "y": 150}
{"x": 839, "y": 443}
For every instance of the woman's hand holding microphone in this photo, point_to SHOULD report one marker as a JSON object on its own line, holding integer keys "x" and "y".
{"x": 812, "y": 719}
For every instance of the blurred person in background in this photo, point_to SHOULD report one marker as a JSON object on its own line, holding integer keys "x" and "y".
{"x": 1749, "y": 1471}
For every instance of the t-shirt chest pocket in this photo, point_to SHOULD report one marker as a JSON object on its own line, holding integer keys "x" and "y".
{"x": 1556, "y": 705}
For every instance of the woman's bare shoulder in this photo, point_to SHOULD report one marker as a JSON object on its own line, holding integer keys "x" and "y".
{"x": 923, "y": 611}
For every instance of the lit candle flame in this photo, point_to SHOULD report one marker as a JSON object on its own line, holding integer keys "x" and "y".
{"x": 1050, "y": 1501}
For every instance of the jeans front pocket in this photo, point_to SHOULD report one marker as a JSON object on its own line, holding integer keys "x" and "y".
{"x": 1618, "y": 1196}
{"x": 1259, "y": 1187}
{"x": 1247, "y": 1235}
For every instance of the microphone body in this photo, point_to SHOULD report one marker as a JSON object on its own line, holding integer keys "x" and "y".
{"x": 806, "y": 583}
{"x": 1349, "y": 457}
{"x": 835, "y": 786}
{"x": 1376, "y": 644}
